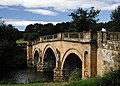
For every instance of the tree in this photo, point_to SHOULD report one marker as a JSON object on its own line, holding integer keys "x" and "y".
{"x": 10, "y": 54}
{"x": 61, "y": 27}
{"x": 29, "y": 28}
{"x": 1, "y": 21}
{"x": 115, "y": 17}
{"x": 83, "y": 20}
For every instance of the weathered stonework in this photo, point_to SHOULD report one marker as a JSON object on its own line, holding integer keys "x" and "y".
{"x": 96, "y": 51}
{"x": 108, "y": 48}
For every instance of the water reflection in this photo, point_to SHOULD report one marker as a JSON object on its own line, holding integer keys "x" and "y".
{"x": 25, "y": 76}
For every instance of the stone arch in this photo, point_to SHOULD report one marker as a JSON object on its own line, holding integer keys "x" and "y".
{"x": 51, "y": 47}
{"x": 72, "y": 61}
{"x": 39, "y": 51}
{"x": 37, "y": 56}
{"x": 49, "y": 60}
{"x": 69, "y": 51}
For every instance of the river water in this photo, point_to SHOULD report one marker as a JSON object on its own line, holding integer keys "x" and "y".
{"x": 24, "y": 76}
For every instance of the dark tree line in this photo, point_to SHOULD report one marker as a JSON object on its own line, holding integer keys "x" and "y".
{"x": 33, "y": 31}
{"x": 11, "y": 56}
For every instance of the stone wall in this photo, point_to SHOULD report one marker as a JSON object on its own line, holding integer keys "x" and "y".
{"x": 106, "y": 61}
{"x": 108, "y": 47}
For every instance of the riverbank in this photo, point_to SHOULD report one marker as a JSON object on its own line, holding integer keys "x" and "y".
{"x": 88, "y": 82}
{"x": 111, "y": 79}
{"x": 38, "y": 84}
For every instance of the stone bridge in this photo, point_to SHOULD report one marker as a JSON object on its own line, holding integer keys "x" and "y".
{"x": 91, "y": 52}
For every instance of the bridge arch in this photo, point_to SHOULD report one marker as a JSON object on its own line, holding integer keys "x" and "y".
{"x": 69, "y": 51}
{"x": 47, "y": 47}
{"x": 49, "y": 57}
{"x": 37, "y": 56}
{"x": 72, "y": 59}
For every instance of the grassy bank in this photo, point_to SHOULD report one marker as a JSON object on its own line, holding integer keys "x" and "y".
{"x": 20, "y": 41}
{"x": 89, "y": 82}
{"x": 111, "y": 79}
{"x": 37, "y": 84}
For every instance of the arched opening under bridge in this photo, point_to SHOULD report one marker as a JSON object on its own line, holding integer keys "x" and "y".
{"x": 49, "y": 62}
{"x": 72, "y": 63}
{"x": 36, "y": 58}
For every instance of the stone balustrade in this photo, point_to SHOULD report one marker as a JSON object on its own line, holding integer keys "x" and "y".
{"x": 67, "y": 36}
{"x": 109, "y": 40}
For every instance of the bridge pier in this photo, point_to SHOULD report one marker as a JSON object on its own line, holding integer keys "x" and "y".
{"x": 58, "y": 75}
{"x": 40, "y": 67}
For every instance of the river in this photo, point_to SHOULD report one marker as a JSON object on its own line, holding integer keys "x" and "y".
{"x": 24, "y": 76}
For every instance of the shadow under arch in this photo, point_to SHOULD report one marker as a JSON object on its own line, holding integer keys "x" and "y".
{"x": 72, "y": 60}
{"x": 69, "y": 51}
{"x": 49, "y": 62}
{"x": 47, "y": 47}
{"x": 37, "y": 56}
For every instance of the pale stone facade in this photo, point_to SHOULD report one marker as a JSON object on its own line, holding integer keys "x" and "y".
{"x": 95, "y": 50}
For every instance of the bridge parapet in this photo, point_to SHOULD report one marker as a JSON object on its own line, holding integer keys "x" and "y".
{"x": 109, "y": 40}
{"x": 68, "y": 36}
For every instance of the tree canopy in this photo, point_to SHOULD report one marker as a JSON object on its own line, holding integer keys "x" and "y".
{"x": 84, "y": 20}
{"x": 33, "y": 31}
{"x": 115, "y": 17}
{"x": 10, "y": 54}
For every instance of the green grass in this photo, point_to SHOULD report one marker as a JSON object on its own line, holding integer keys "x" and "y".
{"x": 88, "y": 82}
{"x": 20, "y": 41}
{"x": 37, "y": 84}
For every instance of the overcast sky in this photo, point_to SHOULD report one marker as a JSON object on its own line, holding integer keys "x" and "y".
{"x": 20, "y": 13}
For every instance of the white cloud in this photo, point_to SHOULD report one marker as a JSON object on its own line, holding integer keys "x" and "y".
{"x": 42, "y": 12}
{"x": 11, "y": 2}
{"x": 23, "y": 23}
{"x": 18, "y": 22}
{"x": 63, "y": 5}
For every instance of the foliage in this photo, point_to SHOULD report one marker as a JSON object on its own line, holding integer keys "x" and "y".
{"x": 75, "y": 75}
{"x": 9, "y": 52}
{"x": 34, "y": 31}
{"x": 111, "y": 79}
{"x": 37, "y": 84}
{"x": 83, "y": 20}
{"x": 88, "y": 82}
{"x": 30, "y": 36}
{"x": 115, "y": 17}
{"x": 29, "y": 28}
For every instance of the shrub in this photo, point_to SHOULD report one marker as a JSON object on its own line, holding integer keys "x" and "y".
{"x": 75, "y": 75}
